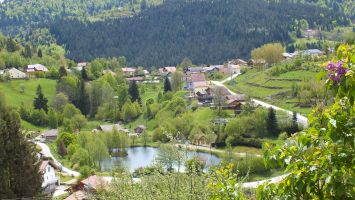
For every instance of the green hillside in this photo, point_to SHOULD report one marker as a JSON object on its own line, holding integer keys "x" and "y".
{"x": 15, "y": 97}
{"x": 291, "y": 85}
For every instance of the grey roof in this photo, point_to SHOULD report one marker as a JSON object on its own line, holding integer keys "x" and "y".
{"x": 51, "y": 133}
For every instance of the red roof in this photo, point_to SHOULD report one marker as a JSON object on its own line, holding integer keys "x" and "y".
{"x": 94, "y": 182}
{"x": 197, "y": 77}
{"x": 79, "y": 195}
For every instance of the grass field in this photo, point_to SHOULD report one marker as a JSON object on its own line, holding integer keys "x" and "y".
{"x": 14, "y": 97}
{"x": 260, "y": 85}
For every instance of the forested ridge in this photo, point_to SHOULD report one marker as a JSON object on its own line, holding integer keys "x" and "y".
{"x": 205, "y": 31}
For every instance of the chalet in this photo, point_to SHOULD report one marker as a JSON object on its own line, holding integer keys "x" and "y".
{"x": 212, "y": 69}
{"x": 235, "y": 102}
{"x": 256, "y": 62}
{"x": 50, "y": 181}
{"x": 198, "y": 77}
{"x": 128, "y": 71}
{"x": 36, "y": 68}
{"x": 238, "y": 62}
{"x": 14, "y": 73}
{"x": 164, "y": 71}
{"x": 200, "y": 87}
{"x": 191, "y": 70}
{"x": 50, "y": 134}
{"x": 136, "y": 78}
{"x": 92, "y": 184}
{"x": 80, "y": 66}
{"x": 140, "y": 129}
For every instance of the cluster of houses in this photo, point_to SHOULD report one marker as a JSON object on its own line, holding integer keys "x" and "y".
{"x": 308, "y": 52}
{"x": 29, "y": 71}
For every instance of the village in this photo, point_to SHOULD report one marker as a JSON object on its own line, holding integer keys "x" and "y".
{"x": 198, "y": 82}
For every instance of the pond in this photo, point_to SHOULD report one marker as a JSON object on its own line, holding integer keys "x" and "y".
{"x": 146, "y": 156}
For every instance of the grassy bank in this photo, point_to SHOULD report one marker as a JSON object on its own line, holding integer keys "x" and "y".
{"x": 15, "y": 96}
{"x": 273, "y": 89}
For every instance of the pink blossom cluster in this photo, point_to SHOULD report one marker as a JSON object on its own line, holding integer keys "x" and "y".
{"x": 336, "y": 71}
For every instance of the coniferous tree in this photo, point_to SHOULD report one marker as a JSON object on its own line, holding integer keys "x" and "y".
{"x": 11, "y": 45}
{"x": 167, "y": 85}
{"x": 62, "y": 72}
{"x": 28, "y": 52}
{"x": 19, "y": 168}
{"x": 271, "y": 123}
{"x": 83, "y": 99}
{"x": 134, "y": 92}
{"x": 294, "y": 127}
{"x": 40, "y": 102}
{"x": 39, "y": 53}
{"x": 84, "y": 74}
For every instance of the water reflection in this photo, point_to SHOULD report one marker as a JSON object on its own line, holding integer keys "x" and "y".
{"x": 146, "y": 156}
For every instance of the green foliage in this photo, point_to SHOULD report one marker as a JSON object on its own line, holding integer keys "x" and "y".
{"x": 320, "y": 160}
{"x": 19, "y": 167}
{"x": 67, "y": 139}
{"x": 158, "y": 186}
{"x": 271, "y": 53}
{"x": 224, "y": 184}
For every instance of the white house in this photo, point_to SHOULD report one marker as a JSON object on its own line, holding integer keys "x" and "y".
{"x": 14, "y": 73}
{"x": 50, "y": 181}
{"x": 36, "y": 68}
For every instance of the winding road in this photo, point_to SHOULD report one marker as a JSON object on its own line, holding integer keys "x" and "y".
{"x": 47, "y": 153}
{"x": 300, "y": 118}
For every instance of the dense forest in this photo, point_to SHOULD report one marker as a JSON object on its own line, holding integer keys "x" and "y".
{"x": 204, "y": 31}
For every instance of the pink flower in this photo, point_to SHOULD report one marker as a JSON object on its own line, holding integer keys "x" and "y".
{"x": 336, "y": 71}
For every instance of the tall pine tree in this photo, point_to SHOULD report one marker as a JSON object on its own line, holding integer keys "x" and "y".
{"x": 271, "y": 123}
{"x": 83, "y": 99}
{"x": 167, "y": 85}
{"x": 62, "y": 72}
{"x": 40, "y": 102}
{"x": 84, "y": 74}
{"x": 134, "y": 92}
{"x": 19, "y": 165}
{"x": 39, "y": 53}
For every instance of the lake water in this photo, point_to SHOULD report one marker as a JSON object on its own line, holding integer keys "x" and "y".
{"x": 146, "y": 156}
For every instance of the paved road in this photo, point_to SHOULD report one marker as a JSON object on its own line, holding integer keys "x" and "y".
{"x": 204, "y": 148}
{"x": 257, "y": 183}
{"x": 300, "y": 118}
{"x": 47, "y": 153}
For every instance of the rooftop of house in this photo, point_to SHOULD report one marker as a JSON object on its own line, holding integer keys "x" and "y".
{"x": 196, "y": 77}
{"x": 200, "y": 84}
{"x": 50, "y": 133}
{"x": 169, "y": 69}
{"x": 137, "y": 78}
{"x": 128, "y": 69}
{"x": 94, "y": 182}
{"x": 44, "y": 164}
{"x": 81, "y": 64}
{"x": 37, "y": 67}
{"x": 78, "y": 195}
